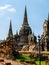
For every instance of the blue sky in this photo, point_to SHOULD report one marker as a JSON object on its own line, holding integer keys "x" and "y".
{"x": 37, "y": 11}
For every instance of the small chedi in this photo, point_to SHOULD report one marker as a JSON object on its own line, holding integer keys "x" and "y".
{"x": 44, "y": 40}
{"x": 45, "y": 36}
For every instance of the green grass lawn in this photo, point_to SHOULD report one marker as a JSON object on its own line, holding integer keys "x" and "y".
{"x": 42, "y": 63}
{"x": 23, "y": 57}
{"x": 26, "y": 58}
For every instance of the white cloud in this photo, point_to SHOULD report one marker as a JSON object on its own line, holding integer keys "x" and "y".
{"x": 5, "y": 7}
{"x": 8, "y": 7}
{"x": 12, "y": 10}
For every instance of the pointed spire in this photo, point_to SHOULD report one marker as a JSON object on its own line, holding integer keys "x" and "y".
{"x": 25, "y": 21}
{"x": 48, "y": 16}
{"x": 10, "y": 33}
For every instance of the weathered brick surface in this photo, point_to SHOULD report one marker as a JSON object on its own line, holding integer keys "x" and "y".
{"x": 14, "y": 62}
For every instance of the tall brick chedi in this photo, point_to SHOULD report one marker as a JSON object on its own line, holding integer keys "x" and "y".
{"x": 25, "y": 29}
